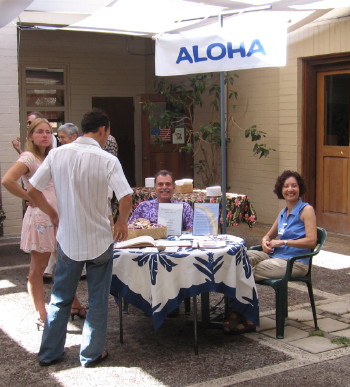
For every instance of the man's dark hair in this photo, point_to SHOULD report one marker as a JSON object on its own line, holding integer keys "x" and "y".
{"x": 163, "y": 172}
{"x": 36, "y": 114}
{"x": 283, "y": 177}
{"x": 93, "y": 120}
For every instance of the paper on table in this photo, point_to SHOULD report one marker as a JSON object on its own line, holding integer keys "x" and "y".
{"x": 206, "y": 218}
{"x": 170, "y": 215}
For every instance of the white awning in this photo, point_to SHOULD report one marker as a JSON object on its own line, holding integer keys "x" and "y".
{"x": 150, "y": 17}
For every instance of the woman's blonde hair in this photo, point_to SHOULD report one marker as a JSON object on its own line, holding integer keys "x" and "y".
{"x": 30, "y": 146}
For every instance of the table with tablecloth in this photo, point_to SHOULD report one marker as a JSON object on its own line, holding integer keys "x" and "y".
{"x": 158, "y": 281}
{"x": 238, "y": 207}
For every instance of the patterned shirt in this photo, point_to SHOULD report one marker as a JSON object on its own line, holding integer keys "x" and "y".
{"x": 81, "y": 173}
{"x": 149, "y": 210}
{"x": 111, "y": 146}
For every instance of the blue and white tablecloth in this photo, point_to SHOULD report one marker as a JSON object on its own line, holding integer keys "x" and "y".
{"x": 157, "y": 282}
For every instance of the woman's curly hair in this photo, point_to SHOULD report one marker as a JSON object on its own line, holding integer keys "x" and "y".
{"x": 283, "y": 177}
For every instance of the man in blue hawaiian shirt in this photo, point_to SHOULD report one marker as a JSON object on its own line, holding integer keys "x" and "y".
{"x": 164, "y": 187}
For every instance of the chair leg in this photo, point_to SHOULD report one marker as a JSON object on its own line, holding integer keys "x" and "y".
{"x": 195, "y": 325}
{"x": 281, "y": 310}
{"x": 120, "y": 305}
{"x": 187, "y": 303}
{"x": 126, "y": 307}
{"x": 312, "y": 301}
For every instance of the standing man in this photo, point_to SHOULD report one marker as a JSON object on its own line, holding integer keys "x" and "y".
{"x": 82, "y": 172}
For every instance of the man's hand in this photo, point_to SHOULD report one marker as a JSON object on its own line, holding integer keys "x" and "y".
{"x": 38, "y": 199}
{"x": 121, "y": 225}
{"x": 16, "y": 145}
{"x": 120, "y": 231}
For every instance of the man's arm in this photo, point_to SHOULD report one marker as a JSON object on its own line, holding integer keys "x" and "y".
{"x": 40, "y": 201}
{"x": 121, "y": 225}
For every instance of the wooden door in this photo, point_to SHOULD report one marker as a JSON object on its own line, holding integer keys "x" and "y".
{"x": 333, "y": 151}
{"x": 120, "y": 111}
{"x": 165, "y": 155}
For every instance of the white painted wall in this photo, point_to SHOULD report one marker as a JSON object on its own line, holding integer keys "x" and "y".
{"x": 271, "y": 98}
{"x": 9, "y": 122}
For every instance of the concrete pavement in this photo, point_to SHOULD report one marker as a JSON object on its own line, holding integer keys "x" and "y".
{"x": 166, "y": 358}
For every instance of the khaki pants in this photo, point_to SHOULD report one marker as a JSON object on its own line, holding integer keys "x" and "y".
{"x": 265, "y": 267}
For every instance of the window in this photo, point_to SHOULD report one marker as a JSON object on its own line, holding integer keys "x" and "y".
{"x": 45, "y": 90}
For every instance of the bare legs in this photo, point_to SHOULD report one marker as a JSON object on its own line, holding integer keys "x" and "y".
{"x": 38, "y": 263}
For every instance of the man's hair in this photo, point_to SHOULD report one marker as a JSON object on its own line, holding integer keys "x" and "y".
{"x": 68, "y": 128}
{"x": 36, "y": 114}
{"x": 283, "y": 177}
{"x": 163, "y": 172}
{"x": 93, "y": 120}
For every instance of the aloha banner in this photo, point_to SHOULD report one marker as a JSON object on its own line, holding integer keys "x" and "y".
{"x": 244, "y": 42}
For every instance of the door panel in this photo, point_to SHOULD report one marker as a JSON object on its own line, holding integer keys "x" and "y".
{"x": 333, "y": 170}
{"x": 120, "y": 111}
{"x": 157, "y": 156}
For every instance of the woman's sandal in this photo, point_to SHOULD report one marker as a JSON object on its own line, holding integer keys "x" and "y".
{"x": 80, "y": 312}
{"x": 237, "y": 325}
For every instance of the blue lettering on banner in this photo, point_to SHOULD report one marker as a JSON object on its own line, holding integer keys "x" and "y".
{"x": 220, "y": 51}
{"x": 210, "y": 49}
{"x": 259, "y": 48}
{"x": 195, "y": 55}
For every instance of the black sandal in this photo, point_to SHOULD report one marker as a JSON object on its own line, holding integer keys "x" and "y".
{"x": 237, "y": 325}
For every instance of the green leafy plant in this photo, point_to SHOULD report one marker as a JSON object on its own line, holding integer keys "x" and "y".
{"x": 201, "y": 139}
{"x": 317, "y": 332}
{"x": 341, "y": 341}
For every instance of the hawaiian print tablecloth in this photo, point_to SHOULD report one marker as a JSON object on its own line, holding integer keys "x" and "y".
{"x": 238, "y": 207}
{"x": 157, "y": 282}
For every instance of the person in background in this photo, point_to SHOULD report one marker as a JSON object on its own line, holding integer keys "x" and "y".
{"x": 111, "y": 146}
{"x": 67, "y": 133}
{"x": 84, "y": 234}
{"x": 294, "y": 232}
{"x": 30, "y": 118}
{"x": 48, "y": 273}
{"x": 38, "y": 235}
{"x": 164, "y": 187}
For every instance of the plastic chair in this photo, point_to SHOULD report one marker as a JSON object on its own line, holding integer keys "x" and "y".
{"x": 280, "y": 285}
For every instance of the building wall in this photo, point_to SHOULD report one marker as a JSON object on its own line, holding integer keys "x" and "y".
{"x": 9, "y": 122}
{"x": 271, "y": 98}
{"x": 99, "y": 65}
{"x": 118, "y": 66}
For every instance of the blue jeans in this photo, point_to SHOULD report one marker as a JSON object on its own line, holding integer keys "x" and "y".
{"x": 67, "y": 275}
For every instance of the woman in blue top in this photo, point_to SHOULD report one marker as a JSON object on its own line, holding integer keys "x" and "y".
{"x": 295, "y": 228}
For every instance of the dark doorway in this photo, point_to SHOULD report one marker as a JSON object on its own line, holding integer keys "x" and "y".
{"x": 121, "y": 113}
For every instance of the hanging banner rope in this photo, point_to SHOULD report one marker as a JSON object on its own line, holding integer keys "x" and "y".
{"x": 244, "y": 42}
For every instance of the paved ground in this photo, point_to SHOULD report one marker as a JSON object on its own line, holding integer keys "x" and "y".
{"x": 166, "y": 357}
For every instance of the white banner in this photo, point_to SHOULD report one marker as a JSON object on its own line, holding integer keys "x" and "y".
{"x": 244, "y": 42}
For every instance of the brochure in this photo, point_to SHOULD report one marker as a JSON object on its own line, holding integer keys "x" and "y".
{"x": 206, "y": 219}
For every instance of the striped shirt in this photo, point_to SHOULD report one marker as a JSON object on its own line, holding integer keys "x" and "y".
{"x": 82, "y": 172}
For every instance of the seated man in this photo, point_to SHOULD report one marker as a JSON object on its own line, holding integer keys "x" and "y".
{"x": 164, "y": 187}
